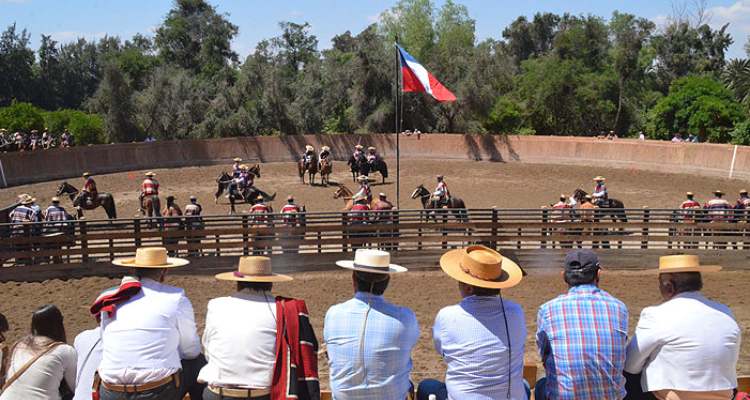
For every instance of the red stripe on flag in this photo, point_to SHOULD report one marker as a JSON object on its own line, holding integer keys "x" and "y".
{"x": 440, "y": 92}
{"x": 409, "y": 81}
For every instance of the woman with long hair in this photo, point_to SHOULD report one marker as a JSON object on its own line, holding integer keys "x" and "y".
{"x": 41, "y": 365}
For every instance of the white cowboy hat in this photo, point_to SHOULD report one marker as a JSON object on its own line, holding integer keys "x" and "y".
{"x": 684, "y": 263}
{"x": 373, "y": 261}
{"x": 149, "y": 173}
{"x": 689, "y": 194}
{"x": 237, "y": 159}
{"x": 25, "y": 199}
{"x": 358, "y": 146}
{"x": 371, "y": 148}
{"x": 86, "y": 174}
{"x": 151, "y": 257}
{"x": 718, "y": 192}
{"x": 600, "y": 179}
{"x": 309, "y": 147}
{"x": 481, "y": 266}
{"x": 253, "y": 269}
{"x": 55, "y": 199}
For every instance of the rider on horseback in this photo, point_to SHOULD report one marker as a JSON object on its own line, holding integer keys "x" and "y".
{"x": 372, "y": 155}
{"x": 236, "y": 167}
{"x": 307, "y": 156}
{"x": 89, "y": 193}
{"x": 358, "y": 153}
{"x": 248, "y": 178}
{"x": 325, "y": 152}
{"x": 600, "y": 194}
{"x": 364, "y": 189}
{"x": 150, "y": 188}
{"x": 441, "y": 192}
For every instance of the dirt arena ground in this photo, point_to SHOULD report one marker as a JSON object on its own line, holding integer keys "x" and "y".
{"x": 480, "y": 184}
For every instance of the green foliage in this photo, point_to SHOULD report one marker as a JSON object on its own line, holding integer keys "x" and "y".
{"x": 741, "y": 133}
{"x": 696, "y": 104}
{"x": 506, "y": 116}
{"x": 21, "y": 117}
{"x": 86, "y": 128}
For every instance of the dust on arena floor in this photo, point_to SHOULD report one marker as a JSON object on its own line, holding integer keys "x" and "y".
{"x": 480, "y": 184}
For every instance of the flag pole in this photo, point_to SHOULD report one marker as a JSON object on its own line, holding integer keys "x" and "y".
{"x": 396, "y": 96}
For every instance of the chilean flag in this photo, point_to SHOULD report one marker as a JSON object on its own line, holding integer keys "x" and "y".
{"x": 415, "y": 78}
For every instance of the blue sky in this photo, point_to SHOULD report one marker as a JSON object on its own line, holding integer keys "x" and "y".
{"x": 66, "y": 20}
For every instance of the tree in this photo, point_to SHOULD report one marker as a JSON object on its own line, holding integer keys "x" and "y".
{"x": 699, "y": 105}
{"x": 526, "y": 39}
{"x": 736, "y": 76}
{"x": 113, "y": 99}
{"x": 412, "y": 22}
{"x": 16, "y": 66}
{"x": 629, "y": 34}
{"x": 21, "y": 117}
{"x": 195, "y": 37}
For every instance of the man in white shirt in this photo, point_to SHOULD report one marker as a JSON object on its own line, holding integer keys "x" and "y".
{"x": 687, "y": 347}
{"x": 241, "y": 352}
{"x": 88, "y": 345}
{"x": 149, "y": 332}
{"x": 482, "y": 338}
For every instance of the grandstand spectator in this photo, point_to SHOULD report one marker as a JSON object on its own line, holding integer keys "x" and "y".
{"x": 586, "y": 363}
{"x": 88, "y": 345}
{"x": 41, "y": 366}
{"x": 718, "y": 208}
{"x": 3, "y": 347}
{"x": 370, "y": 340}
{"x": 34, "y": 139}
{"x": 66, "y": 140}
{"x": 147, "y": 327}
{"x": 677, "y": 138}
{"x": 641, "y": 136}
{"x": 482, "y": 338}
{"x": 46, "y": 140}
{"x": 252, "y": 359}
{"x": 687, "y": 347}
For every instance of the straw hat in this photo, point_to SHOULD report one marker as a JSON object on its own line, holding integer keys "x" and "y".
{"x": 373, "y": 261}
{"x": 325, "y": 148}
{"x": 718, "y": 192}
{"x": 689, "y": 194}
{"x": 600, "y": 179}
{"x": 358, "y": 146}
{"x": 151, "y": 257}
{"x": 86, "y": 174}
{"x": 362, "y": 178}
{"x": 743, "y": 191}
{"x": 244, "y": 167}
{"x": 25, "y": 199}
{"x": 150, "y": 174}
{"x": 237, "y": 159}
{"x": 481, "y": 266}
{"x": 371, "y": 148}
{"x": 55, "y": 199}
{"x": 309, "y": 148}
{"x": 253, "y": 269}
{"x": 684, "y": 263}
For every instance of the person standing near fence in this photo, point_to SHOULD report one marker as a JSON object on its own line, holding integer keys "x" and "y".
{"x": 173, "y": 214}
{"x": 193, "y": 221}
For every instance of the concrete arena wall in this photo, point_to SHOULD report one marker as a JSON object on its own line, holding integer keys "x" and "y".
{"x": 705, "y": 159}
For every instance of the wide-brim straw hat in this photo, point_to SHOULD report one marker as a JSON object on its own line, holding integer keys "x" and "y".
{"x": 718, "y": 192}
{"x": 253, "y": 269}
{"x": 600, "y": 179}
{"x": 373, "y": 261}
{"x": 358, "y": 146}
{"x": 482, "y": 267}
{"x": 689, "y": 194}
{"x": 151, "y": 257}
{"x": 86, "y": 174}
{"x": 25, "y": 199}
{"x": 325, "y": 148}
{"x": 244, "y": 166}
{"x": 149, "y": 173}
{"x": 371, "y": 148}
{"x": 309, "y": 147}
{"x": 55, "y": 199}
{"x": 362, "y": 178}
{"x": 237, "y": 159}
{"x": 743, "y": 191}
{"x": 684, "y": 263}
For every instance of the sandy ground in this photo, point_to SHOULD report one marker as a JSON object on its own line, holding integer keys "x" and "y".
{"x": 423, "y": 291}
{"x": 480, "y": 184}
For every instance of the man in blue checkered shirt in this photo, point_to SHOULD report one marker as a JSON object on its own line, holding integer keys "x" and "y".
{"x": 582, "y": 337}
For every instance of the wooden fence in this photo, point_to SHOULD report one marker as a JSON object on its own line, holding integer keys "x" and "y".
{"x": 86, "y": 241}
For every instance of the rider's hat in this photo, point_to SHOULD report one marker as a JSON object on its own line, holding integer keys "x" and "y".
{"x": 358, "y": 146}
{"x": 55, "y": 200}
{"x": 563, "y": 196}
{"x": 86, "y": 174}
{"x": 244, "y": 166}
{"x": 260, "y": 197}
{"x": 439, "y": 177}
{"x": 325, "y": 148}
{"x": 718, "y": 192}
{"x": 290, "y": 198}
{"x": 381, "y": 194}
{"x": 689, "y": 194}
{"x": 371, "y": 148}
{"x": 150, "y": 174}
{"x": 743, "y": 191}
{"x": 25, "y": 199}
{"x": 193, "y": 198}
{"x": 362, "y": 178}
{"x": 309, "y": 148}
{"x": 237, "y": 159}
{"x": 600, "y": 179}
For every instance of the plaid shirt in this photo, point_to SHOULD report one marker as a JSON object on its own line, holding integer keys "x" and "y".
{"x": 582, "y": 338}
{"x": 369, "y": 348}
{"x": 150, "y": 187}
{"x": 22, "y": 214}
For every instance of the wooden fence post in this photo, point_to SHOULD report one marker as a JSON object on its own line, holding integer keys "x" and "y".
{"x": 245, "y": 239}
{"x": 544, "y": 230}
{"x": 445, "y": 232}
{"x": 137, "y": 232}
{"x": 344, "y": 234}
{"x": 644, "y": 231}
{"x": 493, "y": 231}
{"x": 84, "y": 242}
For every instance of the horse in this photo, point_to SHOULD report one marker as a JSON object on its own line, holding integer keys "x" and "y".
{"x": 223, "y": 181}
{"x": 326, "y": 169}
{"x": 5, "y": 229}
{"x": 346, "y": 194}
{"x": 364, "y": 167}
{"x": 613, "y": 208}
{"x": 358, "y": 167}
{"x": 104, "y": 200}
{"x": 311, "y": 168}
{"x": 429, "y": 202}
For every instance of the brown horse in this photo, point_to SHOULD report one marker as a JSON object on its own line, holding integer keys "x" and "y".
{"x": 429, "y": 202}
{"x": 151, "y": 206}
{"x": 326, "y": 169}
{"x": 104, "y": 200}
{"x": 311, "y": 168}
{"x": 344, "y": 193}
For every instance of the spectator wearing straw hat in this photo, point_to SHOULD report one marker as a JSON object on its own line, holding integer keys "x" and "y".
{"x": 481, "y": 339}
{"x": 369, "y": 339}
{"x": 23, "y": 213}
{"x": 687, "y": 347}
{"x": 55, "y": 212}
{"x": 743, "y": 202}
{"x": 252, "y": 357}
{"x": 718, "y": 207}
{"x": 585, "y": 362}
{"x": 148, "y": 327}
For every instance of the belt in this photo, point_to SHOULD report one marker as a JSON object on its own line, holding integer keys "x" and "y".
{"x": 144, "y": 387}
{"x": 239, "y": 393}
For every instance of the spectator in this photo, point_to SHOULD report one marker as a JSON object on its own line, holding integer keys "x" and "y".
{"x": 641, "y": 136}
{"x": 66, "y": 140}
{"x": 482, "y": 338}
{"x": 252, "y": 359}
{"x": 3, "y": 348}
{"x": 193, "y": 221}
{"x": 677, "y": 138}
{"x": 147, "y": 327}
{"x": 369, "y": 339}
{"x": 687, "y": 347}
{"x": 41, "y": 365}
{"x": 587, "y": 362}
{"x": 88, "y": 345}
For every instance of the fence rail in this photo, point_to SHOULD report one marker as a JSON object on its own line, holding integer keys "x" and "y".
{"x": 84, "y": 241}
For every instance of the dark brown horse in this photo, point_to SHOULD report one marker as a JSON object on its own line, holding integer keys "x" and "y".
{"x": 310, "y": 168}
{"x": 326, "y": 169}
{"x": 612, "y": 208}
{"x": 223, "y": 181}
{"x": 429, "y": 202}
{"x": 104, "y": 200}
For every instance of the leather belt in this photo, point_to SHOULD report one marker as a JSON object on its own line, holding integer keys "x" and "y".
{"x": 239, "y": 393}
{"x": 143, "y": 387}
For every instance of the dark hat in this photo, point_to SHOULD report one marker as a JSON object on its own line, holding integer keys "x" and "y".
{"x": 581, "y": 261}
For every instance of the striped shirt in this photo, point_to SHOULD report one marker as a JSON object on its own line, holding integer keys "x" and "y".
{"x": 582, "y": 337}
{"x": 369, "y": 348}
{"x": 193, "y": 209}
{"x": 290, "y": 211}
{"x": 718, "y": 209}
{"x": 55, "y": 214}
{"x": 150, "y": 187}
